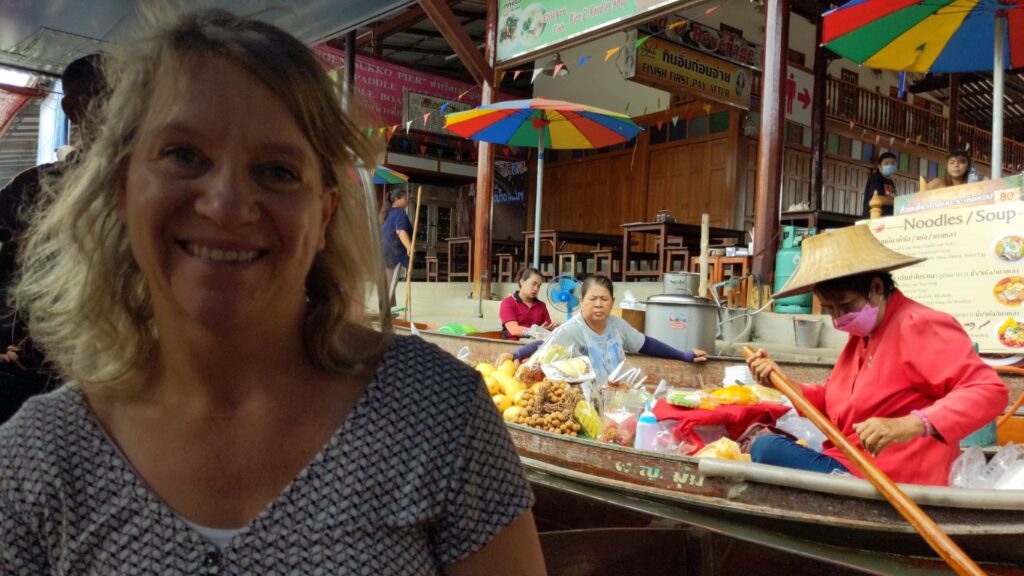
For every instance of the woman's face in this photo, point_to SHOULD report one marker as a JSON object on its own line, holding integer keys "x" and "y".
{"x": 597, "y": 303}
{"x": 223, "y": 199}
{"x": 957, "y": 166}
{"x": 839, "y": 304}
{"x": 529, "y": 288}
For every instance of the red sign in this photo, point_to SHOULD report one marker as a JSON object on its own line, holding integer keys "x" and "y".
{"x": 383, "y": 84}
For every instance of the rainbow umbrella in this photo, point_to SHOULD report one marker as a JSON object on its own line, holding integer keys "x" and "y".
{"x": 934, "y": 36}
{"x": 542, "y": 123}
{"x": 384, "y": 175}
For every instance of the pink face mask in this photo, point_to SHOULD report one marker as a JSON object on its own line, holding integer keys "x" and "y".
{"x": 859, "y": 323}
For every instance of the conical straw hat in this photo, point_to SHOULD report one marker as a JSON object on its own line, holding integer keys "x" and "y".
{"x": 844, "y": 252}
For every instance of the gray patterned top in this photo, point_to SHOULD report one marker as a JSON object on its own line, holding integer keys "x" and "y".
{"x": 420, "y": 475}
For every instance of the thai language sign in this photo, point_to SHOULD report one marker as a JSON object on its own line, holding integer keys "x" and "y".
{"x": 681, "y": 30}
{"x": 382, "y": 85}
{"x": 675, "y": 68}
{"x": 980, "y": 193}
{"x": 526, "y": 26}
{"x": 975, "y": 267}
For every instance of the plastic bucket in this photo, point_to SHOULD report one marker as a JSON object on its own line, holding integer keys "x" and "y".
{"x": 807, "y": 331}
{"x": 733, "y": 321}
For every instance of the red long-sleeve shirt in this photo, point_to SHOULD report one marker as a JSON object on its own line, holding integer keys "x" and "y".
{"x": 917, "y": 359}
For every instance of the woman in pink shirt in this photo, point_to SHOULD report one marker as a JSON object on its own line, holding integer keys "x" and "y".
{"x": 907, "y": 387}
{"x": 522, "y": 309}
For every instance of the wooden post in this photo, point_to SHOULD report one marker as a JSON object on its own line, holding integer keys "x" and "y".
{"x": 412, "y": 256}
{"x": 771, "y": 145}
{"x": 485, "y": 173}
{"x": 953, "y": 141}
{"x": 819, "y": 125}
{"x": 705, "y": 234}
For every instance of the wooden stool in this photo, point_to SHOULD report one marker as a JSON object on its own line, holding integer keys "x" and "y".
{"x": 432, "y": 268}
{"x": 456, "y": 245}
{"x": 605, "y": 255}
{"x": 506, "y": 268}
{"x": 672, "y": 254}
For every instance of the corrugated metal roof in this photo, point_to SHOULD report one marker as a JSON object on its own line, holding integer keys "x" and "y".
{"x": 19, "y": 141}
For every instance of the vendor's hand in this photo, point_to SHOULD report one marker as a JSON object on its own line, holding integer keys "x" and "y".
{"x": 549, "y": 326}
{"x": 761, "y": 367}
{"x": 503, "y": 357}
{"x": 699, "y": 355}
{"x": 877, "y": 433}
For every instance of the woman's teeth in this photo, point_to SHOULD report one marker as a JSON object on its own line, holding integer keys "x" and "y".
{"x": 218, "y": 255}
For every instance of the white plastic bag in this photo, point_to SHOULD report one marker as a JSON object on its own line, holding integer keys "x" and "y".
{"x": 802, "y": 428}
{"x": 968, "y": 470}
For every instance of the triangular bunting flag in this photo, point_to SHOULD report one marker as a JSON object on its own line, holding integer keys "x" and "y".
{"x": 423, "y": 149}
{"x": 675, "y": 120}
{"x": 536, "y": 72}
{"x": 878, "y": 137}
{"x": 408, "y": 125}
{"x": 891, "y": 140}
{"x": 676, "y": 24}
{"x": 516, "y": 74}
{"x": 851, "y": 124}
{"x": 660, "y": 124}
{"x": 611, "y": 53}
{"x": 444, "y": 106}
{"x": 640, "y": 41}
{"x": 369, "y": 131}
{"x": 558, "y": 67}
{"x": 710, "y": 10}
{"x": 501, "y": 76}
{"x": 426, "y": 117}
{"x": 583, "y": 60}
{"x": 707, "y": 109}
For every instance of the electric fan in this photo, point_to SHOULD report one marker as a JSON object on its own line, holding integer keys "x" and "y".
{"x": 562, "y": 294}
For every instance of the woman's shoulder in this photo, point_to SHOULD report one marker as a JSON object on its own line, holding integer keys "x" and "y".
{"x": 43, "y": 433}
{"x": 414, "y": 362}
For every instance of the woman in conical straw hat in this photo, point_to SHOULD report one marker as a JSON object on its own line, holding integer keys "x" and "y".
{"x": 907, "y": 386}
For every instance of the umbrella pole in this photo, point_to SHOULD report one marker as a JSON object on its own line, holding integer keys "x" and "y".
{"x": 925, "y": 526}
{"x": 412, "y": 255}
{"x": 998, "y": 73}
{"x": 536, "y": 206}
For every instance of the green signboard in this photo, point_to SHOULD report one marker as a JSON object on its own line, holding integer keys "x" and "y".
{"x": 526, "y": 27}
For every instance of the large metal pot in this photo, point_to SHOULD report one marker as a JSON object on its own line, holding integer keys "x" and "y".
{"x": 685, "y": 283}
{"x": 684, "y": 322}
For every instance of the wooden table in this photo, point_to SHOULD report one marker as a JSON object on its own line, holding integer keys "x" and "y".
{"x": 819, "y": 219}
{"x": 559, "y": 238}
{"x": 690, "y": 233}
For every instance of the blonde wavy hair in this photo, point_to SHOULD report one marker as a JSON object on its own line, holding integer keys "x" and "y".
{"x": 87, "y": 301}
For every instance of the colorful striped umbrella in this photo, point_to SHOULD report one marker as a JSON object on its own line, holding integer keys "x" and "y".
{"x": 384, "y": 175}
{"x": 542, "y": 123}
{"x": 934, "y": 36}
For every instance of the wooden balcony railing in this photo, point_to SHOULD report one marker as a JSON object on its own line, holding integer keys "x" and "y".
{"x": 896, "y": 118}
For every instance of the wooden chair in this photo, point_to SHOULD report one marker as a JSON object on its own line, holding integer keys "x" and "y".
{"x": 677, "y": 254}
{"x": 572, "y": 263}
{"x": 455, "y": 247}
{"x": 609, "y": 256}
{"x": 506, "y": 268}
{"x": 432, "y": 268}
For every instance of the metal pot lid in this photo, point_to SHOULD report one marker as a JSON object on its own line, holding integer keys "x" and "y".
{"x": 681, "y": 299}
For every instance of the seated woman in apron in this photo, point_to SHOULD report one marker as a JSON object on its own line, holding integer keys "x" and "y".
{"x": 594, "y": 332}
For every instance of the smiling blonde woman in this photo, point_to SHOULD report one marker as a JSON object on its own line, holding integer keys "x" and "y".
{"x": 198, "y": 280}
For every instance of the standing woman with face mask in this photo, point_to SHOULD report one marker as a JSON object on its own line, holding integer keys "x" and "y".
{"x": 907, "y": 387}
{"x": 880, "y": 182}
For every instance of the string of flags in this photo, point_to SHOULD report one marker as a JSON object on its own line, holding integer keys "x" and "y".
{"x": 389, "y": 131}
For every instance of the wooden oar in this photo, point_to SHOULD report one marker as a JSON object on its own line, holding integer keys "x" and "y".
{"x": 412, "y": 254}
{"x": 925, "y": 526}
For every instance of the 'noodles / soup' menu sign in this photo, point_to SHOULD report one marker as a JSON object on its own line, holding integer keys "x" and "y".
{"x": 975, "y": 266}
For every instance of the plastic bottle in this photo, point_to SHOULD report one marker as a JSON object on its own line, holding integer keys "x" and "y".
{"x": 972, "y": 175}
{"x": 646, "y": 430}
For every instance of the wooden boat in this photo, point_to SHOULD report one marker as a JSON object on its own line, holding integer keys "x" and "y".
{"x": 840, "y": 511}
